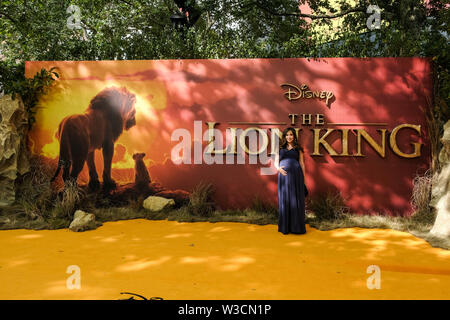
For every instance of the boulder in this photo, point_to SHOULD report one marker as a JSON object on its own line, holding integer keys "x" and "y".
{"x": 83, "y": 221}
{"x": 440, "y": 192}
{"x": 13, "y": 156}
{"x": 155, "y": 203}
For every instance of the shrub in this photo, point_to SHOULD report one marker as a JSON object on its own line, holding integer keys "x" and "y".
{"x": 328, "y": 206}
{"x": 68, "y": 201}
{"x": 200, "y": 200}
{"x": 259, "y": 205}
{"x": 421, "y": 197}
{"x": 34, "y": 192}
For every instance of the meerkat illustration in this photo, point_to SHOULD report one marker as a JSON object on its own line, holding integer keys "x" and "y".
{"x": 141, "y": 173}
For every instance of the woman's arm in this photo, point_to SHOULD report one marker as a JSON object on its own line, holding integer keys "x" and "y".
{"x": 302, "y": 163}
{"x": 277, "y": 165}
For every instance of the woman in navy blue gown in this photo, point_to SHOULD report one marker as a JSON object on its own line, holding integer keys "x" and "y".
{"x": 291, "y": 185}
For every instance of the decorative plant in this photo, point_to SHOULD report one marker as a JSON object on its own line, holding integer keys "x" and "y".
{"x": 328, "y": 206}
{"x": 29, "y": 89}
{"x": 200, "y": 200}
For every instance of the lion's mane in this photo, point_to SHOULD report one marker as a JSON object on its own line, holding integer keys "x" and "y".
{"x": 117, "y": 104}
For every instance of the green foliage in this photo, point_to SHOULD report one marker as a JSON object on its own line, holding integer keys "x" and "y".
{"x": 114, "y": 30}
{"x": 30, "y": 90}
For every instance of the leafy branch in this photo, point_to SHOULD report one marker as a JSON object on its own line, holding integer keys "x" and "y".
{"x": 262, "y": 5}
{"x": 30, "y": 90}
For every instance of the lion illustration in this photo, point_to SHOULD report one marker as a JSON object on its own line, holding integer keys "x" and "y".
{"x": 141, "y": 173}
{"x": 108, "y": 114}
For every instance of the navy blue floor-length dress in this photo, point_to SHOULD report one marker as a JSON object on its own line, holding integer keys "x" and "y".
{"x": 291, "y": 194}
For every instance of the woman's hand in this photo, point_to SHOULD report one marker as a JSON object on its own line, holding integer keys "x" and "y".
{"x": 282, "y": 171}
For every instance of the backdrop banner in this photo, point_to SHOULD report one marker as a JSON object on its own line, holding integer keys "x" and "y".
{"x": 361, "y": 121}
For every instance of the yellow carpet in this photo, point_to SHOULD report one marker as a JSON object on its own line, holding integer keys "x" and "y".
{"x": 219, "y": 261}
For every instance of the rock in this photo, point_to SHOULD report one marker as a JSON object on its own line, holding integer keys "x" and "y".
{"x": 13, "y": 156}
{"x": 155, "y": 203}
{"x": 440, "y": 192}
{"x": 83, "y": 221}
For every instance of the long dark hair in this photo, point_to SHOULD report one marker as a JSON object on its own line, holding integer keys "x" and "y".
{"x": 284, "y": 142}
